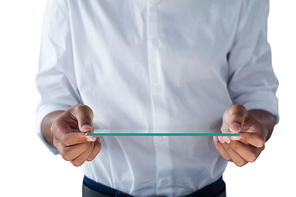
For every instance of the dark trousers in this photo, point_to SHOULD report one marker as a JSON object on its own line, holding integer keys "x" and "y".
{"x": 92, "y": 189}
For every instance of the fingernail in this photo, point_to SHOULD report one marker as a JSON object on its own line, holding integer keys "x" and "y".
{"x": 227, "y": 140}
{"x": 86, "y": 126}
{"x": 99, "y": 140}
{"x": 235, "y": 127}
{"x": 215, "y": 139}
{"x": 235, "y": 138}
{"x": 221, "y": 140}
{"x": 91, "y": 139}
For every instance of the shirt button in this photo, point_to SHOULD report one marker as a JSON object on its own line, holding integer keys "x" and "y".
{"x": 161, "y": 137}
{"x": 164, "y": 182}
{"x": 158, "y": 89}
{"x": 155, "y": 42}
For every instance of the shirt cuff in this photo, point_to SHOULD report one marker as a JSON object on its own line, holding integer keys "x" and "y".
{"x": 42, "y": 112}
{"x": 264, "y": 100}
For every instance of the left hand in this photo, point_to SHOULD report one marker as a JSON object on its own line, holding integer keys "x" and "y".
{"x": 247, "y": 147}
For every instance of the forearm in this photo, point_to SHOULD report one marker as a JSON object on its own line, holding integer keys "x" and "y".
{"x": 266, "y": 119}
{"x": 46, "y": 125}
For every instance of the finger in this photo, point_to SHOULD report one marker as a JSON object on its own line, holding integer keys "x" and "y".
{"x": 238, "y": 114}
{"x": 62, "y": 130}
{"x": 224, "y": 139}
{"x": 70, "y": 152}
{"x": 84, "y": 116}
{"x": 234, "y": 117}
{"x": 255, "y": 139}
{"x": 235, "y": 157}
{"x": 71, "y": 138}
{"x": 96, "y": 150}
{"x": 247, "y": 152}
{"x": 221, "y": 139}
{"x": 221, "y": 150}
{"x": 78, "y": 161}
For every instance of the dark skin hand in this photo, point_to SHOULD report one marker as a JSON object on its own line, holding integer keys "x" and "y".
{"x": 66, "y": 131}
{"x": 255, "y": 127}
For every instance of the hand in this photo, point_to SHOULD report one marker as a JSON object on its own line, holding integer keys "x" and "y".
{"x": 69, "y": 138}
{"x": 247, "y": 147}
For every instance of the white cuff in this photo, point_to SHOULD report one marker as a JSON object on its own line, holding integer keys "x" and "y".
{"x": 43, "y": 111}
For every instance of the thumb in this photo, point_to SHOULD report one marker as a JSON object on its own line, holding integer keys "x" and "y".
{"x": 84, "y": 116}
{"x": 235, "y": 117}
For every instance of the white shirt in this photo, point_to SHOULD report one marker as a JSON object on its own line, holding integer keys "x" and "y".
{"x": 159, "y": 64}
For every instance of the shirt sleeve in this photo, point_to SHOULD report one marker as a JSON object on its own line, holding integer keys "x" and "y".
{"x": 55, "y": 80}
{"x": 252, "y": 81}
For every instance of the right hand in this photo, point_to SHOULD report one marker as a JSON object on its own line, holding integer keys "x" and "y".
{"x": 69, "y": 138}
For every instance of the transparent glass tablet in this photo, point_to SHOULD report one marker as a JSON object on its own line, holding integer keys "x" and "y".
{"x": 160, "y": 132}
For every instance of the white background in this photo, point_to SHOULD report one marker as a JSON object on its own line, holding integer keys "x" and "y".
{"x": 29, "y": 169}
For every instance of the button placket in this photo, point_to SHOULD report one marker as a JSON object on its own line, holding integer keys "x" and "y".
{"x": 161, "y": 138}
{"x": 155, "y": 42}
{"x": 161, "y": 144}
{"x": 164, "y": 182}
{"x": 158, "y": 88}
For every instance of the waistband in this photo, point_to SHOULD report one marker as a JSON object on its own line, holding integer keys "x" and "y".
{"x": 212, "y": 190}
